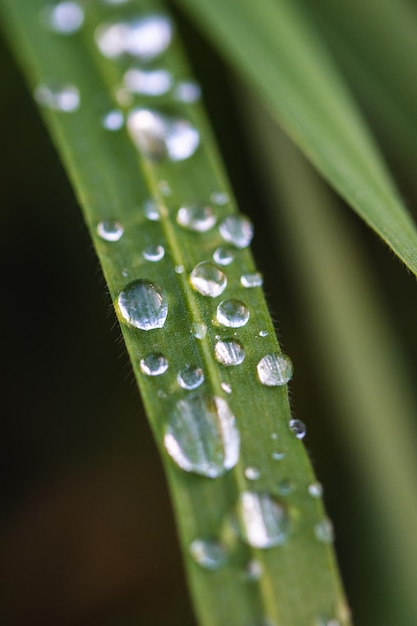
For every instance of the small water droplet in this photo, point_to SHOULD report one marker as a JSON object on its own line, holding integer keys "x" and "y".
{"x": 199, "y": 330}
{"x": 226, "y": 387}
{"x": 298, "y": 428}
{"x": 187, "y": 91}
{"x": 251, "y": 280}
{"x": 161, "y": 137}
{"x": 64, "y": 98}
{"x": 324, "y": 621}
{"x": 190, "y": 377}
{"x": 252, "y": 473}
{"x": 147, "y": 82}
{"x": 151, "y": 211}
{"x": 125, "y": 272}
{"x": 229, "y": 352}
{"x": 164, "y": 188}
{"x": 154, "y": 252}
{"x": 263, "y": 333}
{"x": 143, "y": 305}
{"x": 315, "y": 489}
{"x": 265, "y": 521}
{"x": 278, "y": 456}
{"x": 237, "y": 230}
{"x": 274, "y": 435}
{"x": 221, "y": 198}
{"x": 110, "y": 230}
{"x": 113, "y": 120}
{"x": 208, "y": 279}
{"x": 202, "y": 437}
{"x": 179, "y": 269}
{"x": 115, "y": 2}
{"x": 64, "y": 18}
{"x": 253, "y": 571}
{"x": 208, "y": 554}
{"x": 145, "y": 38}
{"x": 324, "y": 531}
{"x": 223, "y": 255}
{"x": 275, "y": 370}
{"x": 197, "y": 217}
{"x": 285, "y": 487}
{"x": 123, "y": 96}
{"x": 154, "y": 364}
{"x": 232, "y": 313}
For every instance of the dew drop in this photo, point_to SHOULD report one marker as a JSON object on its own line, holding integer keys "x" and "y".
{"x": 143, "y": 305}
{"x": 199, "y": 330}
{"x": 324, "y": 621}
{"x": 275, "y": 370}
{"x": 274, "y": 435}
{"x": 179, "y": 269}
{"x": 285, "y": 487}
{"x": 324, "y": 531}
{"x": 278, "y": 456}
{"x": 251, "y": 280}
{"x": 150, "y": 209}
{"x": 237, "y": 230}
{"x": 154, "y": 364}
{"x": 64, "y": 18}
{"x": 196, "y": 217}
{"x": 148, "y": 82}
{"x": 229, "y": 352}
{"x": 190, "y": 377}
{"x": 253, "y": 571}
{"x": 123, "y": 96}
{"x": 252, "y": 473}
{"x": 154, "y": 253}
{"x": 223, "y": 255}
{"x": 187, "y": 91}
{"x": 226, "y": 387}
{"x": 298, "y": 428}
{"x": 208, "y": 279}
{"x": 113, "y": 120}
{"x": 64, "y": 98}
{"x": 220, "y": 198}
{"x": 315, "y": 489}
{"x": 232, "y": 313}
{"x": 265, "y": 521}
{"x": 164, "y": 188}
{"x": 161, "y": 137}
{"x": 208, "y": 554}
{"x": 145, "y": 38}
{"x": 110, "y": 230}
{"x": 202, "y": 437}
{"x": 110, "y": 39}
{"x": 263, "y": 333}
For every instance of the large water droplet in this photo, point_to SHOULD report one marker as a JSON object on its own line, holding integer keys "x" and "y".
{"x": 232, "y": 313}
{"x": 145, "y": 38}
{"x": 148, "y": 82}
{"x": 237, "y": 230}
{"x": 252, "y": 473}
{"x": 187, "y": 91}
{"x": 161, "y": 137}
{"x": 208, "y": 554}
{"x": 223, "y": 255}
{"x": 208, "y": 279}
{"x": 110, "y": 230}
{"x": 202, "y": 437}
{"x": 251, "y": 280}
{"x": 154, "y": 364}
{"x": 197, "y": 217}
{"x": 275, "y": 370}
{"x": 265, "y": 522}
{"x": 229, "y": 352}
{"x": 154, "y": 252}
{"x": 113, "y": 120}
{"x": 64, "y": 18}
{"x": 190, "y": 377}
{"x": 324, "y": 531}
{"x": 64, "y": 98}
{"x": 315, "y": 489}
{"x": 143, "y": 305}
{"x": 298, "y": 428}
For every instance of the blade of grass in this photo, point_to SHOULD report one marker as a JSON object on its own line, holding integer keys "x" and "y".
{"x": 299, "y": 582}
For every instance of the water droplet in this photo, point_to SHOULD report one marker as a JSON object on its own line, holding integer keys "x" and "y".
{"x": 148, "y": 82}
{"x": 151, "y": 211}
{"x": 232, "y": 313}
{"x": 274, "y": 436}
{"x": 164, "y": 188}
{"x": 324, "y": 531}
{"x": 125, "y": 272}
{"x": 265, "y": 521}
{"x": 278, "y": 456}
{"x": 226, "y": 387}
{"x": 110, "y": 39}
{"x": 146, "y": 38}
{"x": 315, "y": 489}
{"x": 115, "y": 2}
{"x": 196, "y": 217}
{"x": 190, "y": 377}
{"x": 324, "y": 621}
{"x": 202, "y": 437}
{"x": 161, "y": 137}
{"x": 209, "y": 554}
{"x": 143, "y": 305}
{"x": 154, "y": 252}
{"x": 64, "y": 18}
{"x": 113, "y": 120}
{"x": 219, "y": 197}
{"x": 237, "y": 230}
{"x": 64, "y": 98}
{"x": 199, "y": 330}
{"x": 252, "y": 473}
{"x": 208, "y": 279}
{"x": 285, "y": 487}
{"x": 223, "y": 255}
{"x": 179, "y": 269}
{"x": 253, "y": 571}
{"x": 187, "y": 91}
{"x": 229, "y": 352}
{"x": 251, "y": 280}
{"x": 110, "y": 230}
{"x": 275, "y": 370}
{"x": 123, "y": 96}
{"x": 298, "y": 428}
{"x": 154, "y": 365}
{"x": 263, "y": 333}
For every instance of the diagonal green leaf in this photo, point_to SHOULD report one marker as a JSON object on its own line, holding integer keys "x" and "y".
{"x": 273, "y": 47}
{"x": 116, "y": 174}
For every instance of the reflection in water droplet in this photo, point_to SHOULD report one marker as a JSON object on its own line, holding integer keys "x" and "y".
{"x": 229, "y": 352}
{"x": 196, "y": 217}
{"x": 154, "y": 364}
{"x": 223, "y": 255}
{"x": 324, "y": 531}
{"x": 252, "y": 473}
{"x": 237, "y": 230}
{"x": 150, "y": 209}
{"x": 110, "y": 230}
{"x": 187, "y": 91}
{"x": 161, "y": 137}
{"x": 275, "y": 370}
{"x": 278, "y": 456}
{"x": 208, "y": 279}
{"x": 298, "y": 428}
{"x": 251, "y": 280}
{"x": 226, "y": 387}
{"x": 190, "y": 377}
{"x": 253, "y": 571}
{"x": 219, "y": 197}
{"x": 263, "y": 333}
{"x": 199, "y": 330}
{"x": 148, "y": 82}
{"x": 113, "y": 120}
{"x": 64, "y": 98}
{"x": 202, "y": 437}
{"x": 154, "y": 253}
{"x": 145, "y": 38}
{"x": 265, "y": 522}
{"x": 315, "y": 489}
{"x": 209, "y": 554}
{"x": 143, "y": 305}
{"x": 232, "y": 313}
{"x": 64, "y": 18}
